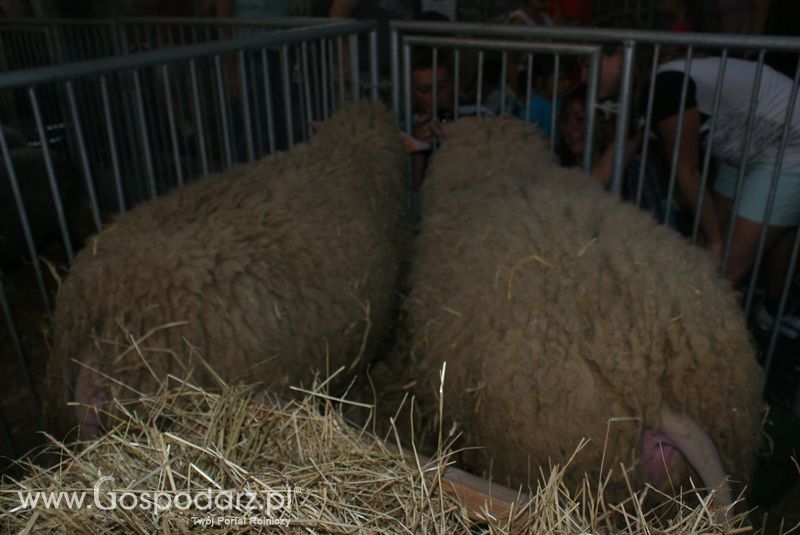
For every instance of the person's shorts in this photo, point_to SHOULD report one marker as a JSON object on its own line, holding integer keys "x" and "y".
{"x": 755, "y": 192}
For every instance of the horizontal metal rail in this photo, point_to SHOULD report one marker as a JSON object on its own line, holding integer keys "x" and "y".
{"x": 100, "y": 66}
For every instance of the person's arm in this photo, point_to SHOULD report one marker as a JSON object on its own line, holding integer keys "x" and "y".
{"x": 601, "y": 170}
{"x": 687, "y": 174}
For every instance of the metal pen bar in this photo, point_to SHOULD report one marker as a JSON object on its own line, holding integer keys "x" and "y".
{"x": 307, "y": 88}
{"x": 456, "y": 81}
{"x": 324, "y": 81}
{"x": 567, "y": 34}
{"x": 554, "y": 102}
{"x": 258, "y": 111}
{"x": 407, "y": 87}
{"x": 287, "y": 94}
{"x": 373, "y": 66}
{"x": 354, "y": 68}
{"x": 148, "y": 158}
{"x": 340, "y": 55}
{"x": 646, "y": 138}
{"x": 198, "y": 118}
{"x": 112, "y": 144}
{"x": 245, "y": 95}
{"x": 394, "y": 43}
{"x": 529, "y": 88}
{"x": 773, "y": 186}
{"x": 751, "y": 114}
{"x": 268, "y": 98}
{"x": 773, "y": 339}
{"x": 673, "y": 172}
{"x": 100, "y": 66}
{"x": 172, "y": 128}
{"x": 709, "y": 145}
{"x": 434, "y": 110}
{"x": 223, "y": 113}
{"x": 479, "y": 94}
{"x": 25, "y": 222}
{"x": 591, "y": 106}
{"x": 87, "y": 172}
{"x": 20, "y": 353}
{"x": 315, "y": 80}
{"x": 621, "y": 133}
{"x": 332, "y": 65}
{"x": 51, "y": 174}
{"x": 297, "y": 73}
{"x": 503, "y": 78}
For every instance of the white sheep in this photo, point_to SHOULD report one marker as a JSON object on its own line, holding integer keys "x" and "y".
{"x": 279, "y": 269}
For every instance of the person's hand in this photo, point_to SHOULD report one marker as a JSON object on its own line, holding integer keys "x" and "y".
{"x": 427, "y": 128}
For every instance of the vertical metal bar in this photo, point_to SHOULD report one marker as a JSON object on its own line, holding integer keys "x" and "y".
{"x": 456, "y": 81}
{"x": 434, "y": 82}
{"x": 245, "y": 95}
{"x": 332, "y": 65}
{"x": 673, "y": 174}
{"x": 762, "y": 240}
{"x": 394, "y": 41}
{"x": 112, "y": 144}
{"x": 51, "y": 174}
{"x": 21, "y": 360}
{"x": 306, "y": 87}
{"x": 503, "y": 76}
{"x": 529, "y": 88}
{"x": 287, "y": 94}
{"x": 751, "y": 114}
{"x": 621, "y": 133}
{"x": 324, "y": 84}
{"x": 554, "y": 103}
{"x": 24, "y": 220}
{"x": 341, "y": 69}
{"x": 268, "y": 98}
{"x": 591, "y": 107}
{"x": 87, "y": 173}
{"x": 315, "y": 80}
{"x": 172, "y": 128}
{"x": 407, "y": 87}
{"x": 373, "y": 65}
{"x": 773, "y": 339}
{"x": 646, "y": 137}
{"x": 198, "y": 117}
{"x": 355, "y": 86}
{"x": 300, "y": 92}
{"x": 480, "y": 82}
{"x": 223, "y": 112}
{"x": 148, "y": 158}
{"x": 709, "y": 144}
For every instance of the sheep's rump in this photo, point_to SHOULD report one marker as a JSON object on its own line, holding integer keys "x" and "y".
{"x": 557, "y": 308}
{"x": 279, "y": 268}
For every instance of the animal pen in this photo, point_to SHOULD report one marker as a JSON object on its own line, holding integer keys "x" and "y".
{"x": 121, "y": 111}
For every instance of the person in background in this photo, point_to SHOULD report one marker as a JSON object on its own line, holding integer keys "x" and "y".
{"x": 540, "y": 110}
{"x": 716, "y": 213}
{"x": 530, "y": 13}
{"x": 570, "y": 151}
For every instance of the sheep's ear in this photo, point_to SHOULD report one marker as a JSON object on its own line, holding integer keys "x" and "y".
{"x": 412, "y": 144}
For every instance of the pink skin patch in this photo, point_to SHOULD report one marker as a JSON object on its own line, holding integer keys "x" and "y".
{"x": 660, "y": 457}
{"x": 88, "y": 394}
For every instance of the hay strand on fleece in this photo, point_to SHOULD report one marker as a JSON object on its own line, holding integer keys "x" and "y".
{"x": 185, "y": 439}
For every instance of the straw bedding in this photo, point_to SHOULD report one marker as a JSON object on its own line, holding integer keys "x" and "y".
{"x": 563, "y": 313}
{"x": 187, "y": 440}
{"x": 274, "y": 270}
